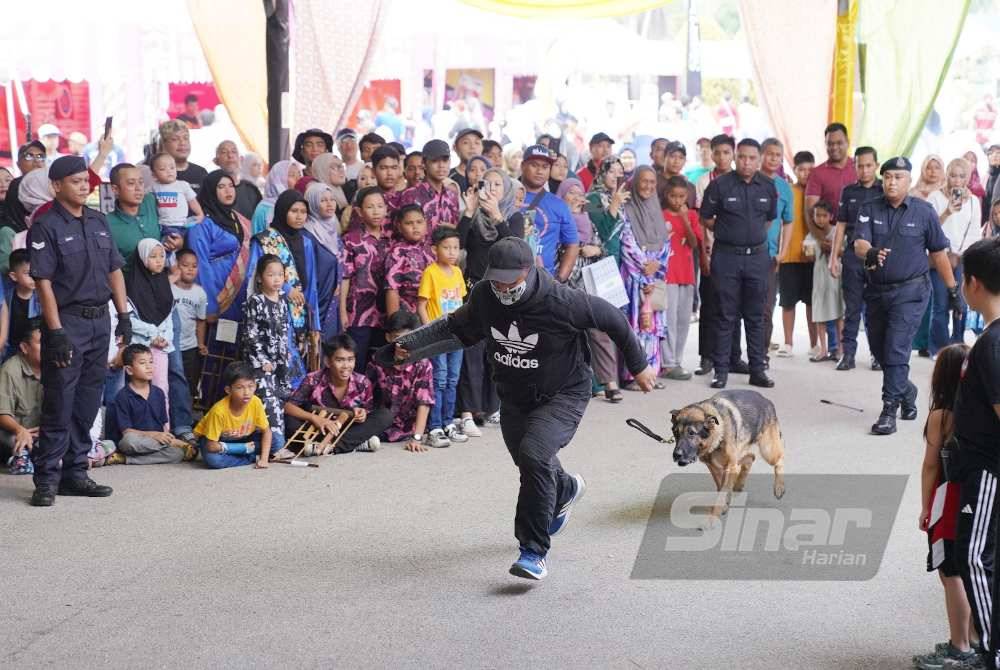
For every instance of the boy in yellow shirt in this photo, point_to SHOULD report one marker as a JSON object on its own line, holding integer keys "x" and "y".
{"x": 442, "y": 288}
{"x": 235, "y": 430}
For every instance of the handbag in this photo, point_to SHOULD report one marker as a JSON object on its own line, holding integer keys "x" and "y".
{"x": 658, "y": 296}
{"x": 603, "y": 280}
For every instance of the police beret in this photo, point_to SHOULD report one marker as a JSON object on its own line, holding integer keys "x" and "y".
{"x": 64, "y": 166}
{"x": 897, "y": 163}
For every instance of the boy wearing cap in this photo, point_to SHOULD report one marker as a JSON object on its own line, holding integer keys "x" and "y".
{"x": 895, "y": 232}
{"x": 77, "y": 269}
{"x": 536, "y": 335}
{"x": 440, "y": 204}
{"x": 468, "y": 143}
{"x": 347, "y": 145}
{"x": 548, "y": 226}
{"x": 674, "y": 159}
{"x": 600, "y": 148}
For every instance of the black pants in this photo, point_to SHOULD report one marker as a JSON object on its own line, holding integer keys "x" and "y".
{"x": 894, "y": 315}
{"x": 534, "y": 435}
{"x": 853, "y": 282}
{"x": 375, "y": 423}
{"x": 70, "y": 399}
{"x": 366, "y": 340}
{"x": 975, "y": 545}
{"x": 741, "y": 282}
{"x": 708, "y": 323}
{"x": 476, "y": 391}
{"x": 192, "y": 369}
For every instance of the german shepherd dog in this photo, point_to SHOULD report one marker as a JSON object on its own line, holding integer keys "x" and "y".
{"x": 721, "y": 432}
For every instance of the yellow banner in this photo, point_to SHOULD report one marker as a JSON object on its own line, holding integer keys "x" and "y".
{"x": 574, "y": 9}
{"x": 844, "y": 61}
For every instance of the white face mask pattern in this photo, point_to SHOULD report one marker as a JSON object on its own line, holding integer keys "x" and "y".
{"x": 510, "y": 296}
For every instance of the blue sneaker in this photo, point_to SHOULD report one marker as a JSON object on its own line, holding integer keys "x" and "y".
{"x": 562, "y": 514}
{"x": 529, "y": 566}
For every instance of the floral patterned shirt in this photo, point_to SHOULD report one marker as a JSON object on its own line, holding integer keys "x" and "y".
{"x": 316, "y": 389}
{"x": 363, "y": 262}
{"x": 403, "y": 269}
{"x": 438, "y": 207}
{"x": 403, "y": 389}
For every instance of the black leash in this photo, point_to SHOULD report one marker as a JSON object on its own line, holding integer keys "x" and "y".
{"x": 639, "y": 426}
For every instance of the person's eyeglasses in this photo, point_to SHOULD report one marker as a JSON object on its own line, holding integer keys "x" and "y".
{"x": 38, "y": 158}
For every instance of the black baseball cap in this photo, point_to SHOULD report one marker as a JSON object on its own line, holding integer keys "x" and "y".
{"x": 436, "y": 149}
{"x": 508, "y": 259}
{"x": 601, "y": 137}
{"x": 467, "y": 131}
{"x": 674, "y": 147}
{"x": 897, "y": 163}
{"x": 536, "y": 152}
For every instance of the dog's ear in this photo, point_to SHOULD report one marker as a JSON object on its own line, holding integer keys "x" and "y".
{"x": 712, "y": 419}
{"x": 673, "y": 415}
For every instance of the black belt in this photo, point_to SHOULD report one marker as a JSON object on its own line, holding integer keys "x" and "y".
{"x": 885, "y": 286}
{"x": 740, "y": 251}
{"x": 84, "y": 312}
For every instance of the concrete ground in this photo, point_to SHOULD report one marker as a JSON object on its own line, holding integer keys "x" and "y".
{"x": 399, "y": 560}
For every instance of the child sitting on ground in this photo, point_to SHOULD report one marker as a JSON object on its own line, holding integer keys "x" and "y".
{"x": 21, "y": 400}
{"x": 337, "y": 386}
{"x": 174, "y": 199}
{"x": 137, "y": 419}
{"x": 235, "y": 430}
{"x": 407, "y": 259}
{"x": 827, "y": 295}
{"x": 442, "y": 288}
{"x": 407, "y": 390}
{"x": 22, "y": 301}
{"x": 363, "y": 262}
{"x": 942, "y": 497}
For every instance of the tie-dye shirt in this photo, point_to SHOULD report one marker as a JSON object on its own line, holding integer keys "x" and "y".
{"x": 403, "y": 269}
{"x": 363, "y": 263}
{"x": 403, "y": 389}
{"x": 438, "y": 207}
{"x": 316, "y": 389}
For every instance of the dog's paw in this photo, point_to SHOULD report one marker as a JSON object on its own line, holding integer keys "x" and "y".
{"x": 779, "y": 490}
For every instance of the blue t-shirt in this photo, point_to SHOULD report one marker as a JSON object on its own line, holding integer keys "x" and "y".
{"x": 785, "y": 200}
{"x": 547, "y": 227}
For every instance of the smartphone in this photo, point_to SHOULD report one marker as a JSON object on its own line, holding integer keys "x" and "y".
{"x": 481, "y": 186}
{"x": 107, "y": 125}
{"x": 956, "y": 196}
{"x": 621, "y": 180}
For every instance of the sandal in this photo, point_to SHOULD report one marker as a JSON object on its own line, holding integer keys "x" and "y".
{"x": 658, "y": 386}
{"x": 632, "y": 386}
{"x": 613, "y": 395}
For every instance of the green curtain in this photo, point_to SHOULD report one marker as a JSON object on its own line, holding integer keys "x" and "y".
{"x": 907, "y": 47}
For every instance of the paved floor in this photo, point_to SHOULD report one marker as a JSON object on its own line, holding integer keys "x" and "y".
{"x": 399, "y": 560}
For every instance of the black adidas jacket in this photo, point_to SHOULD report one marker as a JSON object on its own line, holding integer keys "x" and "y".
{"x": 538, "y": 346}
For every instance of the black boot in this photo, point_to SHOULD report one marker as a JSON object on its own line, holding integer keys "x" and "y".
{"x": 908, "y": 409}
{"x": 761, "y": 379}
{"x": 886, "y": 424}
{"x": 84, "y": 487}
{"x": 705, "y": 367}
{"x": 846, "y": 363}
{"x": 719, "y": 381}
{"x": 739, "y": 367}
{"x": 876, "y": 366}
{"x": 43, "y": 496}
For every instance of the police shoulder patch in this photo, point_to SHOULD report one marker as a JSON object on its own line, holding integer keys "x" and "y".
{"x": 38, "y": 245}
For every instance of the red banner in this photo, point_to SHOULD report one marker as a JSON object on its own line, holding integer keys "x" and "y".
{"x": 208, "y": 98}
{"x": 372, "y": 99}
{"x": 62, "y": 103}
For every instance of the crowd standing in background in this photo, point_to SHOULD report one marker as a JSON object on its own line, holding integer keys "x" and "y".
{"x": 248, "y": 296}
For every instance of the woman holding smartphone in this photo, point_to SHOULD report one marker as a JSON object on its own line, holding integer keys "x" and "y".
{"x": 961, "y": 216}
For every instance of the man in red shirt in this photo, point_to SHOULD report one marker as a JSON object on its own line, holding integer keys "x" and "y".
{"x": 600, "y": 148}
{"x": 826, "y": 182}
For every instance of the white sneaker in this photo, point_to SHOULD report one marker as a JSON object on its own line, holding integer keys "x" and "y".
{"x": 493, "y": 419}
{"x": 814, "y": 352}
{"x": 437, "y": 439}
{"x": 455, "y": 433}
{"x": 372, "y": 444}
{"x": 470, "y": 428}
{"x": 784, "y": 351}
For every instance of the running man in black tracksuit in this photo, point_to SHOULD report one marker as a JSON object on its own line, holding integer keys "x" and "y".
{"x": 536, "y": 335}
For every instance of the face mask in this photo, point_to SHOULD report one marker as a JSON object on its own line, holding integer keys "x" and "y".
{"x": 510, "y": 296}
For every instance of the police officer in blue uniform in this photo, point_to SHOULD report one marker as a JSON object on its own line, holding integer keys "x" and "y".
{"x": 895, "y": 232}
{"x": 738, "y": 207}
{"x": 76, "y": 268}
{"x": 852, "y": 270}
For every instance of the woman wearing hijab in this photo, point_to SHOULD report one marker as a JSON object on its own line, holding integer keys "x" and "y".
{"x": 558, "y": 173}
{"x": 490, "y": 215}
{"x": 323, "y": 228}
{"x": 629, "y": 161}
{"x": 475, "y": 170}
{"x": 252, "y": 170}
{"x": 34, "y": 196}
{"x": 330, "y": 170}
{"x": 283, "y": 176}
{"x": 286, "y": 239}
{"x": 222, "y": 244}
{"x": 605, "y": 356}
{"x": 605, "y": 205}
{"x": 932, "y": 178}
{"x": 645, "y": 250}
{"x": 147, "y": 285}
